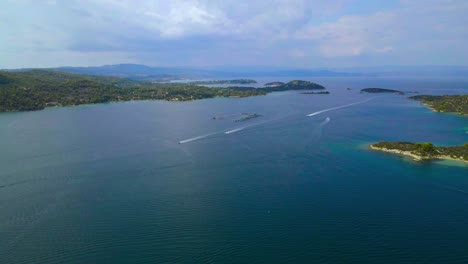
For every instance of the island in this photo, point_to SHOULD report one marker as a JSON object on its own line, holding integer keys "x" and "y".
{"x": 213, "y": 82}
{"x": 281, "y": 87}
{"x": 247, "y": 116}
{"x": 326, "y": 92}
{"x": 380, "y": 90}
{"x": 423, "y": 151}
{"x": 445, "y": 103}
{"x": 274, "y": 84}
{"x": 292, "y": 85}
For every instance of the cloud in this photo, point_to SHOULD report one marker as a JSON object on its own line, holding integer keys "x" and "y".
{"x": 417, "y": 26}
{"x": 193, "y": 32}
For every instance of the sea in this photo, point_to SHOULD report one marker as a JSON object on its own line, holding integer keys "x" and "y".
{"x": 164, "y": 182}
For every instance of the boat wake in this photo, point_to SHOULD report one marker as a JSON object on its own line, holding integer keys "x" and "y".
{"x": 324, "y": 122}
{"x": 317, "y": 132}
{"x": 339, "y": 107}
{"x": 196, "y": 138}
{"x": 235, "y": 130}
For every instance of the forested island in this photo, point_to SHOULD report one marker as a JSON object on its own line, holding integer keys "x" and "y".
{"x": 379, "y": 90}
{"x": 280, "y": 86}
{"x": 213, "y": 82}
{"x": 445, "y": 103}
{"x": 292, "y": 85}
{"x": 326, "y": 92}
{"x": 423, "y": 151}
{"x": 37, "y": 89}
{"x": 247, "y": 116}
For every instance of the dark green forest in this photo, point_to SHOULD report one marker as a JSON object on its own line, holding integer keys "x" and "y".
{"x": 37, "y": 89}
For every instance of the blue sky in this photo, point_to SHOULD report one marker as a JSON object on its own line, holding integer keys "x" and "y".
{"x": 294, "y": 33}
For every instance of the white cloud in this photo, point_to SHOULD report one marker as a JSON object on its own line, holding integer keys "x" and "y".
{"x": 416, "y": 22}
{"x": 212, "y": 30}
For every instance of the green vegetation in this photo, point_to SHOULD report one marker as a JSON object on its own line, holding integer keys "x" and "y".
{"x": 424, "y": 151}
{"x": 292, "y": 85}
{"x": 237, "y": 81}
{"x": 280, "y": 86}
{"x": 379, "y": 90}
{"x": 326, "y": 92}
{"x": 445, "y": 103}
{"x": 274, "y": 84}
{"x": 246, "y": 117}
{"x": 37, "y": 89}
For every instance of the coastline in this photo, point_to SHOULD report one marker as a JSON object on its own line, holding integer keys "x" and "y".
{"x": 415, "y": 157}
{"x": 438, "y": 111}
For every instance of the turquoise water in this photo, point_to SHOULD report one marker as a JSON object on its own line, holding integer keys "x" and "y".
{"x": 110, "y": 183}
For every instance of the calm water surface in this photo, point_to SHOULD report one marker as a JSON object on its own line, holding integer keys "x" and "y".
{"x": 110, "y": 183}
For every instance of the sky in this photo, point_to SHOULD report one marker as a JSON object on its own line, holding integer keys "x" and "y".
{"x": 199, "y": 33}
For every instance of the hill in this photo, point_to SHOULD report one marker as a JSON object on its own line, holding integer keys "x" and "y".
{"x": 37, "y": 89}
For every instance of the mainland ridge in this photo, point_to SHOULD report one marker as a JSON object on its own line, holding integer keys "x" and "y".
{"x": 36, "y": 89}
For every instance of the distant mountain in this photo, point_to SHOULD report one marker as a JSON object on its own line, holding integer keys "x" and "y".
{"x": 163, "y": 74}
{"x": 142, "y": 72}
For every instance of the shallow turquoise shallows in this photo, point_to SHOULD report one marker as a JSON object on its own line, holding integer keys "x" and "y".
{"x": 162, "y": 182}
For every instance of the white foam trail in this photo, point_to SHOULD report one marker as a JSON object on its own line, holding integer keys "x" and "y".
{"x": 317, "y": 133}
{"x": 196, "y": 138}
{"x": 234, "y": 130}
{"x": 325, "y": 121}
{"x": 338, "y": 107}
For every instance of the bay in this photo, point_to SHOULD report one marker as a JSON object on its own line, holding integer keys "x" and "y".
{"x": 111, "y": 182}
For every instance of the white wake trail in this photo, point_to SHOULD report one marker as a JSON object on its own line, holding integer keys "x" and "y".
{"x": 196, "y": 138}
{"x": 339, "y": 107}
{"x": 324, "y": 122}
{"x": 234, "y": 130}
{"x": 317, "y": 132}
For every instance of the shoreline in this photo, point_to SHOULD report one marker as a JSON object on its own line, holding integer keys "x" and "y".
{"x": 415, "y": 157}
{"x": 437, "y": 111}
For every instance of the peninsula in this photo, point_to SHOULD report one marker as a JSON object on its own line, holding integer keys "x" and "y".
{"x": 36, "y": 89}
{"x": 423, "y": 151}
{"x": 446, "y": 103}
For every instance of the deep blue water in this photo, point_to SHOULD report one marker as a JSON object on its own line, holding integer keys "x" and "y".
{"x": 110, "y": 183}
